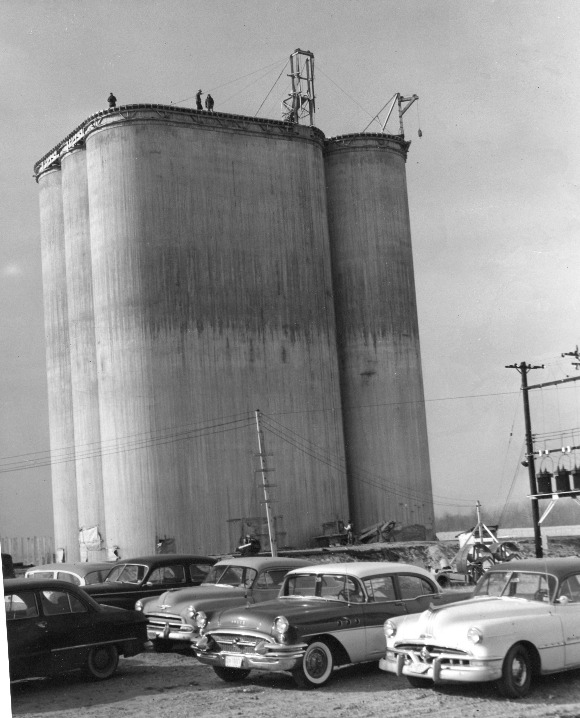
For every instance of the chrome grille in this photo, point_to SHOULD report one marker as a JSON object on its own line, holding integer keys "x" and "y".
{"x": 231, "y": 643}
{"x": 159, "y": 620}
{"x": 427, "y": 654}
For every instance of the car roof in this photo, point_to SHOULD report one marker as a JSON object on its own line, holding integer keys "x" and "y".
{"x": 558, "y": 567}
{"x": 364, "y": 569}
{"x": 261, "y": 562}
{"x": 160, "y": 559}
{"x": 45, "y": 584}
{"x": 80, "y": 568}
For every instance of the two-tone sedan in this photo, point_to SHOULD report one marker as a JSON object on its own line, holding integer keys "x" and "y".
{"x": 523, "y": 621}
{"x": 325, "y": 616}
{"x": 174, "y": 617}
{"x": 54, "y": 627}
{"x": 139, "y": 578}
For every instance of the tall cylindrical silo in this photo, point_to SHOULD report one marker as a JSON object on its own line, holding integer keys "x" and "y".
{"x": 377, "y": 330}
{"x": 58, "y": 369}
{"x": 84, "y": 385}
{"x": 212, "y": 298}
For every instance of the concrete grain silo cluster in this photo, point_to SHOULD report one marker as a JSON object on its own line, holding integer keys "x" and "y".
{"x": 197, "y": 267}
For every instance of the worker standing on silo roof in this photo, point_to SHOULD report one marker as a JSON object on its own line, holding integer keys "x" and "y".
{"x": 209, "y": 103}
{"x": 112, "y": 100}
{"x": 198, "y": 104}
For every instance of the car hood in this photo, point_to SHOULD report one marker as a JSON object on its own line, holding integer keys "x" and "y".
{"x": 201, "y": 597}
{"x": 448, "y": 624}
{"x": 259, "y": 617}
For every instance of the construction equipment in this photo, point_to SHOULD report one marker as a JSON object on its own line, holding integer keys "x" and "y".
{"x": 479, "y": 551}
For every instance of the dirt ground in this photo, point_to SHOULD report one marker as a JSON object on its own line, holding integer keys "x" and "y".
{"x": 154, "y": 685}
{"x": 173, "y": 686}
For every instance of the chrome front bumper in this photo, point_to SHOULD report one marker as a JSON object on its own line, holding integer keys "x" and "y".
{"x": 443, "y": 668}
{"x": 275, "y": 657}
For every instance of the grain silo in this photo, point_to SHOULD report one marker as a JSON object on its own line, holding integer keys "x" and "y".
{"x": 81, "y": 329}
{"x": 377, "y": 330}
{"x": 58, "y": 368}
{"x": 212, "y": 297}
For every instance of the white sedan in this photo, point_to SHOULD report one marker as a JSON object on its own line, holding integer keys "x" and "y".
{"x": 523, "y": 621}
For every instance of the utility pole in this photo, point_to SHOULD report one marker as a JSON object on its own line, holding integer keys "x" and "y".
{"x": 264, "y": 470}
{"x": 523, "y": 369}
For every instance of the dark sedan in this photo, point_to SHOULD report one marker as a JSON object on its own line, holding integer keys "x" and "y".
{"x": 139, "y": 578}
{"x": 54, "y": 627}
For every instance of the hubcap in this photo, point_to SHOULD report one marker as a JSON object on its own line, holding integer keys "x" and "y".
{"x": 316, "y": 663}
{"x": 519, "y": 671}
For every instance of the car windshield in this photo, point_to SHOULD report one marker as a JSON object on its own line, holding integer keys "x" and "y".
{"x": 127, "y": 573}
{"x": 517, "y": 584}
{"x": 231, "y": 575}
{"x": 331, "y": 587}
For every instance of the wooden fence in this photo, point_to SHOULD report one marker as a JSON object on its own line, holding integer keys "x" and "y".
{"x": 30, "y": 551}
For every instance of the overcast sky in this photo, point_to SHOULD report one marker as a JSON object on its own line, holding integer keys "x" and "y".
{"x": 493, "y": 190}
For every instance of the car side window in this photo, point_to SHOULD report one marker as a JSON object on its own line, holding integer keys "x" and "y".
{"x": 380, "y": 589}
{"x": 571, "y": 589}
{"x": 271, "y": 579}
{"x": 70, "y": 577}
{"x": 198, "y": 571}
{"x": 20, "y": 605}
{"x": 167, "y": 574}
{"x": 54, "y": 603}
{"x": 414, "y": 586}
{"x": 301, "y": 586}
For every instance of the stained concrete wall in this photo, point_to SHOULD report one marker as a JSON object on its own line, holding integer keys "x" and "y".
{"x": 212, "y": 298}
{"x": 377, "y": 331}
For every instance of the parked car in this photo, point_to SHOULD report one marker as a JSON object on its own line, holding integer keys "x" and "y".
{"x": 139, "y": 578}
{"x": 523, "y": 621}
{"x": 326, "y": 615}
{"x": 172, "y": 617}
{"x": 54, "y": 627}
{"x": 81, "y": 574}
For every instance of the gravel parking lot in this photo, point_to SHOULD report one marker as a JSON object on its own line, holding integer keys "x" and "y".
{"x": 173, "y": 686}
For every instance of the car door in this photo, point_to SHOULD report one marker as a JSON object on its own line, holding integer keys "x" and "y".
{"x": 417, "y": 592}
{"x": 28, "y": 647}
{"x": 69, "y": 628}
{"x": 383, "y": 602}
{"x": 568, "y": 611}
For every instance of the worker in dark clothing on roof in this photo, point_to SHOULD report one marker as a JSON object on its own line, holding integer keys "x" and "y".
{"x": 209, "y": 103}
{"x": 112, "y": 100}
{"x": 198, "y": 104}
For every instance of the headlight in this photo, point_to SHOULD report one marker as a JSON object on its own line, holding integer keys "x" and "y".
{"x": 281, "y": 625}
{"x": 390, "y": 629}
{"x": 474, "y": 635}
{"x": 200, "y": 619}
{"x": 191, "y": 611}
{"x": 139, "y": 606}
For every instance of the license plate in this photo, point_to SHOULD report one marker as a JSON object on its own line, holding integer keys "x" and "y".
{"x": 418, "y": 668}
{"x": 234, "y": 661}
